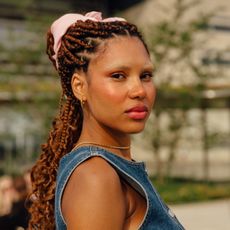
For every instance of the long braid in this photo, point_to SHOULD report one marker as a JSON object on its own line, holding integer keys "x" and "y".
{"x": 80, "y": 42}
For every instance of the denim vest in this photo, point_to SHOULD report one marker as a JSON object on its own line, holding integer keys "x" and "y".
{"x": 157, "y": 216}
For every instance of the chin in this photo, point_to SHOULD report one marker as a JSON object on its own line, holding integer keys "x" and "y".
{"x": 135, "y": 130}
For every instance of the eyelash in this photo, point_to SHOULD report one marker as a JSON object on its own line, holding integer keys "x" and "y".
{"x": 149, "y": 74}
{"x": 144, "y": 76}
{"x": 116, "y": 76}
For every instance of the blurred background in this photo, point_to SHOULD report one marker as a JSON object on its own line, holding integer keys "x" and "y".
{"x": 186, "y": 143}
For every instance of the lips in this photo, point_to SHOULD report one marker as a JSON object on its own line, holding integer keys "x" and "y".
{"x": 137, "y": 112}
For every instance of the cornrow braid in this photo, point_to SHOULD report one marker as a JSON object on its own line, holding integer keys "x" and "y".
{"x": 78, "y": 45}
{"x": 82, "y": 40}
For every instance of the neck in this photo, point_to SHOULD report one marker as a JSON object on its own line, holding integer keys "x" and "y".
{"x": 116, "y": 142}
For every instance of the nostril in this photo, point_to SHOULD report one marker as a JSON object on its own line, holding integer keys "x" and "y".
{"x": 138, "y": 93}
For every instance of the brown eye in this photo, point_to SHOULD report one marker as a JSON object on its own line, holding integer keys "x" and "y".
{"x": 147, "y": 76}
{"x": 118, "y": 76}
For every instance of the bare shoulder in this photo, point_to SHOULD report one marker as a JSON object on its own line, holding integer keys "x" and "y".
{"x": 98, "y": 169}
{"x": 95, "y": 172}
{"x": 94, "y": 188}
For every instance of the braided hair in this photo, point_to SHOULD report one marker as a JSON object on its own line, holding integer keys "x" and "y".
{"x": 78, "y": 44}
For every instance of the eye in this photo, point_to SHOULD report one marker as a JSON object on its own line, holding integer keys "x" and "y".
{"x": 146, "y": 76}
{"x": 118, "y": 76}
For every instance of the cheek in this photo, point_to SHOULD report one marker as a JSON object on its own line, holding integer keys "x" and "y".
{"x": 114, "y": 96}
{"x": 108, "y": 93}
{"x": 105, "y": 95}
{"x": 151, "y": 93}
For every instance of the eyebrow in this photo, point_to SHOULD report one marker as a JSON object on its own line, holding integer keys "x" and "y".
{"x": 125, "y": 68}
{"x": 151, "y": 67}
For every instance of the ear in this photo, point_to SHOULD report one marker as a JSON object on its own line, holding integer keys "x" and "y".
{"x": 79, "y": 86}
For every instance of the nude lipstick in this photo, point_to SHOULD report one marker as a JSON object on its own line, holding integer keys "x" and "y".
{"x": 137, "y": 112}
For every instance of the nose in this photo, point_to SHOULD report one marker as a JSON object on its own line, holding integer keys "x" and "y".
{"x": 137, "y": 89}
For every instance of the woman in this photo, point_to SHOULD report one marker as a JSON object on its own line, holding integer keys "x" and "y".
{"x": 85, "y": 177}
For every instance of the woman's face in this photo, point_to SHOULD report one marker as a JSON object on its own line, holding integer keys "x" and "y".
{"x": 120, "y": 91}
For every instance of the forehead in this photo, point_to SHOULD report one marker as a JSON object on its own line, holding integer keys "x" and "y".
{"x": 123, "y": 50}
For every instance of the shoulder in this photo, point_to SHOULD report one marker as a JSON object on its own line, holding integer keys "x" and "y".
{"x": 96, "y": 172}
{"x": 94, "y": 187}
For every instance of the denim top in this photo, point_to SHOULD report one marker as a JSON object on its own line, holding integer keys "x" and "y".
{"x": 157, "y": 216}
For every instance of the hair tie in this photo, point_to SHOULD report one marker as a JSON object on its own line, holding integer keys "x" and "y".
{"x": 61, "y": 25}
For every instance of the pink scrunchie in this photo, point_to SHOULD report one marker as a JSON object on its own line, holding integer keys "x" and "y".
{"x": 60, "y": 26}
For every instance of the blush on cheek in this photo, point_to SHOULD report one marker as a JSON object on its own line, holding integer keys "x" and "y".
{"x": 113, "y": 95}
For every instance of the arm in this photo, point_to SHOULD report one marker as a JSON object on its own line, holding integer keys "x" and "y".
{"x": 93, "y": 198}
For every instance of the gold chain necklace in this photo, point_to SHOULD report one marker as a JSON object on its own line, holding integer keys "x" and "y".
{"x": 102, "y": 145}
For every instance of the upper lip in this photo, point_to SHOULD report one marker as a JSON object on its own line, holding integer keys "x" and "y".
{"x": 138, "y": 108}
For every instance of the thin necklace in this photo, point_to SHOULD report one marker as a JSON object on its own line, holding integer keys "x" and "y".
{"x": 102, "y": 145}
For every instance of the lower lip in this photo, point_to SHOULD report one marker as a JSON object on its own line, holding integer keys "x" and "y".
{"x": 137, "y": 115}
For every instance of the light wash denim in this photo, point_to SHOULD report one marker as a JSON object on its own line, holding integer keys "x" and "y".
{"x": 157, "y": 217}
